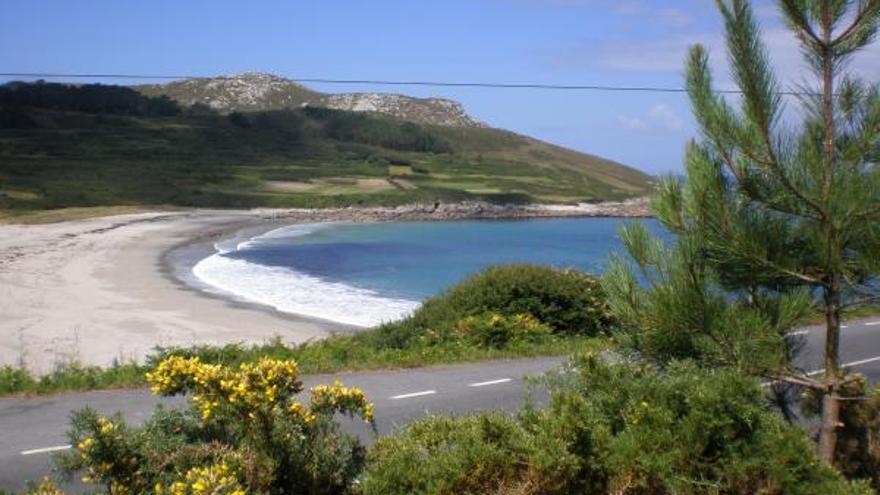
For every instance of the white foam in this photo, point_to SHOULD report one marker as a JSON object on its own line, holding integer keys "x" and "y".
{"x": 292, "y": 292}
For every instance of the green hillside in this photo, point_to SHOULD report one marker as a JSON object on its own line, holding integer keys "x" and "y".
{"x": 68, "y": 146}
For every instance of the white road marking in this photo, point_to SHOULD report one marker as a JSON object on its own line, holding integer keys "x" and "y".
{"x": 799, "y": 332}
{"x": 847, "y": 365}
{"x": 872, "y": 323}
{"x": 414, "y": 394}
{"x": 491, "y": 382}
{"x": 46, "y": 450}
{"x": 863, "y": 361}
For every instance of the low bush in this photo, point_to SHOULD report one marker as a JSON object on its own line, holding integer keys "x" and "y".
{"x": 14, "y": 380}
{"x": 567, "y": 301}
{"x": 489, "y": 453}
{"x": 246, "y": 432}
{"x": 494, "y": 330}
{"x": 622, "y": 429}
{"x": 70, "y": 376}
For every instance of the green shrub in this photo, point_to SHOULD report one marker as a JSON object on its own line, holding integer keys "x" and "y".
{"x": 13, "y": 380}
{"x": 569, "y": 302}
{"x": 622, "y": 428}
{"x": 472, "y": 455}
{"x": 494, "y": 330}
{"x": 71, "y": 376}
{"x": 246, "y": 432}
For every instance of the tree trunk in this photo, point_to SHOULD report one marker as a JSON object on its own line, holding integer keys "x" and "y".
{"x": 831, "y": 291}
{"x": 830, "y": 404}
{"x": 828, "y": 429}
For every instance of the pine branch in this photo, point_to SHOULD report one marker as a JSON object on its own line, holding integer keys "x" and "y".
{"x": 797, "y": 20}
{"x": 800, "y": 380}
{"x": 862, "y": 29}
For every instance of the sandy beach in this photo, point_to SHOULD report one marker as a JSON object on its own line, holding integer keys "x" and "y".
{"x": 97, "y": 291}
{"x": 104, "y": 290}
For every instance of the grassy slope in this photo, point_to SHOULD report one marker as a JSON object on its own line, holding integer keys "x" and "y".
{"x": 78, "y": 160}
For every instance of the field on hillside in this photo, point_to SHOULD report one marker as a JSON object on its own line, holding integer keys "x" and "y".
{"x": 57, "y": 156}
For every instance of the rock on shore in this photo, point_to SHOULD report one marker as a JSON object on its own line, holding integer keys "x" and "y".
{"x": 472, "y": 210}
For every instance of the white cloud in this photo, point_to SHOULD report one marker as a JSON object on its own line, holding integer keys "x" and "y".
{"x": 659, "y": 118}
{"x": 631, "y": 123}
{"x": 665, "y": 117}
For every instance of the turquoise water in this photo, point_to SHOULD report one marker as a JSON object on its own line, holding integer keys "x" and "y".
{"x": 363, "y": 274}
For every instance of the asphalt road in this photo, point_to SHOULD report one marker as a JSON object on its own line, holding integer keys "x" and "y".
{"x": 31, "y": 429}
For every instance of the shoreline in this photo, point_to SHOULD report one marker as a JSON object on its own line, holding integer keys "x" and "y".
{"x": 177, "y": 262}
{"x": 97, "y": 292}
{"x": 109, "y": 290}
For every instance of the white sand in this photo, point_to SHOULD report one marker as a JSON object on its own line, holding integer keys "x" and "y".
{"x": 94, "y": 291}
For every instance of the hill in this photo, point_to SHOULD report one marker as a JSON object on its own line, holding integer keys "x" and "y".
{"x": 95, "y": 145}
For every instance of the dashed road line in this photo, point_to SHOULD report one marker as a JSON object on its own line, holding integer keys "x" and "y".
{"x": 847, "y": 365}
{"x": 414, "y": 394}
{"x": 872, "y": 323}
{"x": 863, "y": 361}
{"x": 490, "y": 382}
{"x": 46, "y": 450}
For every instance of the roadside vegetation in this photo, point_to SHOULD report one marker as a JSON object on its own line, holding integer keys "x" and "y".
{"x": 613, "y": 429}
{"x": 66, "y": 146}
{"x": 246, "y": 432}
{"x": 505, "y": 312}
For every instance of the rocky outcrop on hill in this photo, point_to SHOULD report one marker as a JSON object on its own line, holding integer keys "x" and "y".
{"x": 431, "y": 111}
{"x": 255, "y": 91}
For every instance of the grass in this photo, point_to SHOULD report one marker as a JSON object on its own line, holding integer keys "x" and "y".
{"x": 332, "y": 355}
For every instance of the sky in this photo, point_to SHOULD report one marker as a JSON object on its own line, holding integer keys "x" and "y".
{"x": 566, "y": 42}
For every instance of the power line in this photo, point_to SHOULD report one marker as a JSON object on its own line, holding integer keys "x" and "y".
{"x": 383, "y": 82}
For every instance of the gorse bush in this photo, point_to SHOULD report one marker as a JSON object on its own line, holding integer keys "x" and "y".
{"x": 246, "y": 433}
{"x": 567, "y": 301}
{"x": 494, "y": 330}
{"x": 488, "y": 453}
{"x": 621, "y": 429}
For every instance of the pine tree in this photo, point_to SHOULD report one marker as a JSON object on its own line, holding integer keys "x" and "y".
{"x": 771, "y": 215}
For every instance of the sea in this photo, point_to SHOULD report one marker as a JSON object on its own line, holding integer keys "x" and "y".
{"x": 363, "y": 274}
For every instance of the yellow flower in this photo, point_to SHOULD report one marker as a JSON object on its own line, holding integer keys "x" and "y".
{"x": 105, "y": 426}
{"x": 86, "y": 444}
{"x": 338, "y": 398}
{"x": 47, "y": 488}
{"x": 216, "y": 479}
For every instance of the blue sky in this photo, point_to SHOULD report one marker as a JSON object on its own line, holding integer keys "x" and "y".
{"x": 605, "y": 42}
